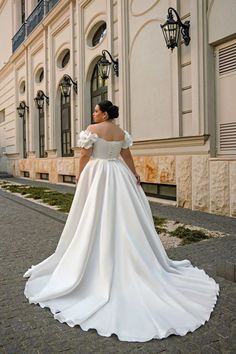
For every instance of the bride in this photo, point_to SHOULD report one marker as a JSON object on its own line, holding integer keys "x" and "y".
{"x": 110, "y": 270}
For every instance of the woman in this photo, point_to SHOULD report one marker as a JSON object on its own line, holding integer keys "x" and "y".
{"x": 109, "y": 270}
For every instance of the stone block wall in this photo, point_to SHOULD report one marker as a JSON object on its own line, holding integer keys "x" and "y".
{"x": 184, "y": 181}
{"x": 203, "y": 183}
{"x": 232, "y": 187}
{"x": 200, "y": 183}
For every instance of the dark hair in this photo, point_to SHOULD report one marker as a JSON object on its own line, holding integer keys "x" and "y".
{"x": 112, "y": 110}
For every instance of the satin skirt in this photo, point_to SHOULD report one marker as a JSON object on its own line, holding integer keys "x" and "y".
{"x": 110, "y": 271}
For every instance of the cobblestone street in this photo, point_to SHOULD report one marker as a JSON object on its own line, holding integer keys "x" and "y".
{"x": 29, "y": 233}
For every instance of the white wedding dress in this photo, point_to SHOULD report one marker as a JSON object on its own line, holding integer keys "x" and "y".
{"x": 110, "y": 270}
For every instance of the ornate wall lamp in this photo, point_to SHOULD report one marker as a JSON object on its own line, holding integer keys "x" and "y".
{"x": 171, "y": 29}
{"x": 104, "y": 65}
{"x": 65, "y": 85}
{"x": 22, "y": 108}
{"x": 39, "y": 99}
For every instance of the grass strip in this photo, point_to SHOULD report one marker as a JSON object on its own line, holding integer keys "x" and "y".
{"x": 61, "y": 200}
{"x": 159, "y": 224}
{"x": 189, "y": 236}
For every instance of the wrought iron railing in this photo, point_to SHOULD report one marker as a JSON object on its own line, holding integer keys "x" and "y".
{"x": 19, "y": 37}
{"x": 40, "y": 11}
{"x": 35, "y": 17}
{"x": 51, "y": 4}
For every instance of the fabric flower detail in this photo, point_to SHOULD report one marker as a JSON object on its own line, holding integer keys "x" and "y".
{"x": 128, "y": 141}
{"x": 86, "y": 139}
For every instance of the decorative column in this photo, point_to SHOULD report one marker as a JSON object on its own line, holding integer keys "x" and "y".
{"x": 81, "y": 64}
{"x": 198, "y": 34}
{"x": 124, "y": 70}
{"x": 72, "y": 58}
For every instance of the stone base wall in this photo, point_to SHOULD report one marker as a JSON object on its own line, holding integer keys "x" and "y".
{"x": 203, "y": 183}
{"x": 55, "y": 167}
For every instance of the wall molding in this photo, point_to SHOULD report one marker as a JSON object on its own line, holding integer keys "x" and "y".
{"x": 187, "y": 141}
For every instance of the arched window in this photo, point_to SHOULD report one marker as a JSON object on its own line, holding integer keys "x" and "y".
{"x": 41, "y": 133}
{"x": 98, "y": 89}
{"x": 66, "y": 126}
{"x": 24, "y": 136}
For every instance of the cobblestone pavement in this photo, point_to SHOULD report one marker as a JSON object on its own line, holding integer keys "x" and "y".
{"x": 29, "y": 233}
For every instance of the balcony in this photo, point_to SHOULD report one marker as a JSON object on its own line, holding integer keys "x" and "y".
{"x": 40, "y": 11}
{"x": 35, "y": 17}
{"x": 19, "y": 37}
{"x": 51, "y": 4}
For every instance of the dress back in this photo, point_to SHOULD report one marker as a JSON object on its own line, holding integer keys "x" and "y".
{"x": 103, "y": 149}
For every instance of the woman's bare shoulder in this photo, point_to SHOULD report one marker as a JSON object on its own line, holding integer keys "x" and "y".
{"x": 91, "y": 128}
{"x": 106, "y": 131}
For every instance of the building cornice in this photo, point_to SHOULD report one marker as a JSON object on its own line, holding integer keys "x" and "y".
{"x": 5, "y": 69}
{"x": 13, "y": 155}
{"x": 186, "y": 141}
{"x": 52, "y": 15}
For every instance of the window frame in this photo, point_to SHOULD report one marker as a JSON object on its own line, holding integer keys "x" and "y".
{"x": 41, "y": 116}
{"x": 99, "y": 34}
{"x": 158, "y": 193}
{"x": 22, "y": 11}
{"x": 24, "y": 136}
{"x": 101, "y": 91}
{"x": 66, "y": 133}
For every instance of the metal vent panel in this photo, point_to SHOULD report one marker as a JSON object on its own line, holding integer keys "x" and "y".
{"x": 227, "y": 59}
{"x": 228, "y": 136}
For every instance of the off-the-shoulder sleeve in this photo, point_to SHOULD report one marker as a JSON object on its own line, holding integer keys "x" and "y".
{"x": 128, "y": 141}
{"x": 86, "y": 139}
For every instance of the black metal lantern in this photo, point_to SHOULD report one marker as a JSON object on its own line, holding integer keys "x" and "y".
{"x": 65, "y": 85}
{"x": 172, "y": 28}
{"x": 104, "y": 65}
{"x": 22, "y": 108}
{"x": 39, "y": 99}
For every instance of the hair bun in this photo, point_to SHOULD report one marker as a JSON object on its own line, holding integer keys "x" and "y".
{"x": 113, "y": 111}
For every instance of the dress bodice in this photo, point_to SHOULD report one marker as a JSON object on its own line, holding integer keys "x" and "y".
{"x": 103, "y": 149}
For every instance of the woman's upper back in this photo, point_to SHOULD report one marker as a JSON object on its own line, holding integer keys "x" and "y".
{"x": 107, "y": 140}
{"x": 107, "y": 131}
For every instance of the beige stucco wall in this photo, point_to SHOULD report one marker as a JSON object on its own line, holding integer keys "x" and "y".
{"x": 151, "y": 72}
{"x": 6, "y": 31}
{"x": 7, "y": 103}
{"x": 221, "y": 20}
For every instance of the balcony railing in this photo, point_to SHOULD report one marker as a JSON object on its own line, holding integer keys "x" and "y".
{"x": 50, "y": 4}
{"x": 19, "y": 37}
{"x": 36, "y": 16}
{"x": 40, "y": 11}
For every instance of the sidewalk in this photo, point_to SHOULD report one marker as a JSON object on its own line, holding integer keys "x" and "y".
{"x": 29, "y": 233}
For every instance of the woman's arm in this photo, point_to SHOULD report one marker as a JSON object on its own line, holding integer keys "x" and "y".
{"x": 83, "y": 160}
{"x": 127, "y": 157}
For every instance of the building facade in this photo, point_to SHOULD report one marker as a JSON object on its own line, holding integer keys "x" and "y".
{"x": 179, "y": 106}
